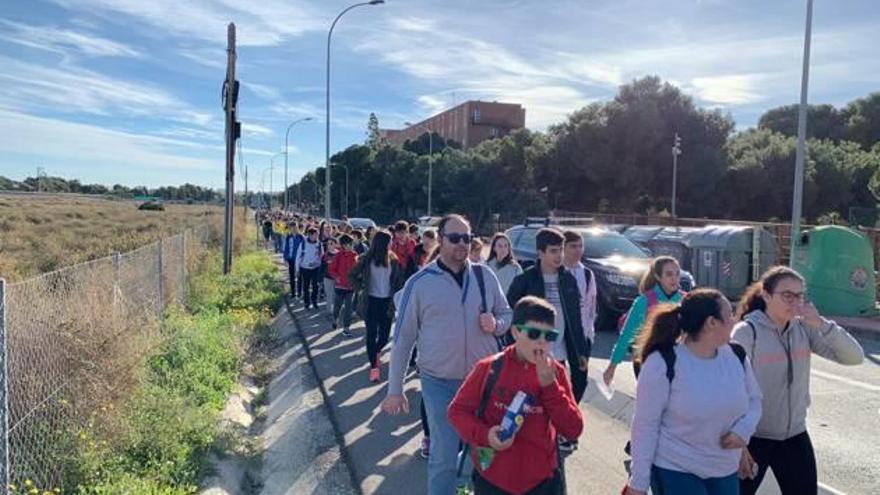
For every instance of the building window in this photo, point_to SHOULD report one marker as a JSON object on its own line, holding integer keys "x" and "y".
{"x": 476, "y": 115}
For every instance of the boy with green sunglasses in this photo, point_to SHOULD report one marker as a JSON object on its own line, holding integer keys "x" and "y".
{"x": 528, "y": 462}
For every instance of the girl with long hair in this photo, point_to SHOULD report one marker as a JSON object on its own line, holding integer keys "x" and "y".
{"x": 376, "y": 277}
{"x": 501, "y": 261}
{"x": 697, "y": 400}
{"x": 660, "y": 284}
{"x": 780, "y": 329}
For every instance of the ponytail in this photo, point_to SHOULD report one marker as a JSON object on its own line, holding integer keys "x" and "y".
{"x": 667, "y": 323}
{"x": 753, "y": 300}
{"x": 649, "y": 279}
{"x": 661, "y": 329}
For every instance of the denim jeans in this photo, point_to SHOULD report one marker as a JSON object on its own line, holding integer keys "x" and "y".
{"x": 329, "y": 293}
{"x": 437, "y": 394}
{"x": 668, "y": 482}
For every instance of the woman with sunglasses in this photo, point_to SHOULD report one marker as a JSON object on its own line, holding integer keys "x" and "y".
{"x": 779, "y": 330}
{"x": 697, "y": 401}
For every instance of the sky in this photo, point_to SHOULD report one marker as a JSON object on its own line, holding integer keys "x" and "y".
{"x": 128, "y": 91}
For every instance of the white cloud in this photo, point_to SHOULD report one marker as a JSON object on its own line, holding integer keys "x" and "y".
{"x": 262, "y": 90}
{"x": 61, "y": 40}
{"x": 74, "y": 90}
{"x": 252, "y": 129}
{"x": 88, "y": 144}
{"x": 728, "y": 90}
{"x": 263, "y": 23}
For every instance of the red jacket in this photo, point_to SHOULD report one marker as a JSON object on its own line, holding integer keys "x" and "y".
{"x": 341, "y": 267}
{"x": 405, "y": 251}
{"x": 532, "y": 457}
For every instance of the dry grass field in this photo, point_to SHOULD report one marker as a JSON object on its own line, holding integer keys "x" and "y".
{"x": 42, "y": 233}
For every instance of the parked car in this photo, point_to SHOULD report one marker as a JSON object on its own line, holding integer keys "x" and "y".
{"x": 617, "y": 263}
{"x": 428, "y": 223}
{"x": 361, "y": 223}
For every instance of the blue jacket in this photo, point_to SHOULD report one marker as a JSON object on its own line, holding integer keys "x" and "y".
{"x": 291, "y": 245}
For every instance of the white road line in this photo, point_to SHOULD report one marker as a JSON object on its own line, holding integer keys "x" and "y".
{"x": 848, "y": 381}
{"x": 829, "y": 490}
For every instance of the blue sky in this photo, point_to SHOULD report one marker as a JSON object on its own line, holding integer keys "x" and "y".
{"x": 128, "y": 91}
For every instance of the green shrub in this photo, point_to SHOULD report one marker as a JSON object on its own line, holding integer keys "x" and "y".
{"x": 171, "y": 422}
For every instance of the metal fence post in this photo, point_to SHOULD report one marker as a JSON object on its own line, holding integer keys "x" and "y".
{"x": 4, "y": 393}
{"x": 116, "y": 263}
{"x": 183, "y": 269}
{"x": 161, "y": 286}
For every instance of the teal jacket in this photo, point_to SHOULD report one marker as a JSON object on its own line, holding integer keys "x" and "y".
{"x": 635, "y": 318}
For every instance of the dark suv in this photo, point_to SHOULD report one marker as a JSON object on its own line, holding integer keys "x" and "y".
{"x": 617, "y": 263}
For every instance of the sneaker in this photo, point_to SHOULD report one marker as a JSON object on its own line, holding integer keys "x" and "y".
{"x": 426, "y": 447}
{"x": 374, "y": 375}
{"x": 347, "y": 333}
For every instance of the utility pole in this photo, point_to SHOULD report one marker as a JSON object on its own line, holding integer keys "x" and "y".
{"x": 233, "y": 132}
{"x": 797, "y": 200}
{"x": 676, "y": 150}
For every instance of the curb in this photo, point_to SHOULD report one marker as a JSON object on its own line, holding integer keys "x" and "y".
{"x": 337, "y": 431}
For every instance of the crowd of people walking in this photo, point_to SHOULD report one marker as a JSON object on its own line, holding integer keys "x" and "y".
{"x": 502, "y": 356}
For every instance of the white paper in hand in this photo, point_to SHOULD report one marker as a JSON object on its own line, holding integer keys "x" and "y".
{"x": 607, "y": 391}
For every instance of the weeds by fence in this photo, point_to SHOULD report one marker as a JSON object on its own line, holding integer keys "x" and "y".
{"x": 72, "y": 338}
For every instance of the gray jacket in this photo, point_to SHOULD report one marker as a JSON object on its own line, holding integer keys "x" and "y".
{"x": 445, "y": 319}
{"x": 781, "y": 362}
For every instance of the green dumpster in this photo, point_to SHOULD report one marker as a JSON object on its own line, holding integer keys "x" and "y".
{"x": 838, "y": 264}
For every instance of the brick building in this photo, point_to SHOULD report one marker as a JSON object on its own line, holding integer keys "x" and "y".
{"x": 468, "y": 123}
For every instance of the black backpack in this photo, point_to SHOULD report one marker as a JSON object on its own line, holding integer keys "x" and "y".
{"x": 668, "y": 354}
{"x": 481, "y": 284}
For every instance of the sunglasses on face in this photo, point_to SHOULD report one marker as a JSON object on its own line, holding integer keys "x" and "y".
{"x": 790, "y": 297}
{"x": 457, "y": 238}
{"x": 535, "y": 333}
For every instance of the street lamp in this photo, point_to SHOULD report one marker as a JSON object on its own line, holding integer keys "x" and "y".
{"x": 797, "y": 200}
{"x": 286, "y": 137}
{"x": 327, "y": 140}
{"x": 430, "y": 162}
{"x": 676, "y": 150}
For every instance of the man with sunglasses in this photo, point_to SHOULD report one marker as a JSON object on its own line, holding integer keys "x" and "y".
{"x": 455, "y": 320}
{"x": 548, "y": 280}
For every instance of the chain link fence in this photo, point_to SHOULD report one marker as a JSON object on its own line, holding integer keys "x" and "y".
{"x": 72, "y": 338}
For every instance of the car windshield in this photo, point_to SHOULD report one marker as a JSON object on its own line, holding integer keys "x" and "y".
{"x": 603, "y": 244}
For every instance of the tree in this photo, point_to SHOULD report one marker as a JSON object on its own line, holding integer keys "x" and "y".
{"x": 823, "y": 121}
{"x": 862, "y": 119}
{"x": 374, "y": 134}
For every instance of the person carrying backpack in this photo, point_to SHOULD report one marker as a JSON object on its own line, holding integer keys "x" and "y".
{"x": 308, "y": 264}
{"x": 548, "y": 280}
{"x": 455, "y": 320}
{"x": 660, "y": 284}
{"x": 526, "y": 462}
{"x": 780, "y": 330}
{"x": 697, "y": 400}
{"x": 343, "y": 299}
{"x": 376, "y": 277}
{"x": 291, "y": 247}
{"x": 572, "y": 253}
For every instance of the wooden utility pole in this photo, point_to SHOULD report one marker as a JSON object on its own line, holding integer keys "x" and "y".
{"x": 233, "y": 131}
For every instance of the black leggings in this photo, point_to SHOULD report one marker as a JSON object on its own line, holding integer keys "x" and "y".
{"x": 378, "y": 323}
{"x": 793, "y": 463}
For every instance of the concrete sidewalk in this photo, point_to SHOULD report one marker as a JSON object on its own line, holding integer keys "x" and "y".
{"x": 383, "y": 451}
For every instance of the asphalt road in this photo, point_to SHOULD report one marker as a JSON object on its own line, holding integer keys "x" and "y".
{"x": 843, "y": 419}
